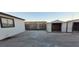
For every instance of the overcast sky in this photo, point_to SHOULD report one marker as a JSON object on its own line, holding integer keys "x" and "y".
{"x": 47, "y": 16}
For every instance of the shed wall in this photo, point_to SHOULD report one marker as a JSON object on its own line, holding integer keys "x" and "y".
{"x": 49, "y": 27}
{"x": 70, "y": 24}
{"x": 64, "y": 26}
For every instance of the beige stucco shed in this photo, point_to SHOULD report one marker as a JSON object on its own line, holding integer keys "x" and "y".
{"x": 56, "y": 26}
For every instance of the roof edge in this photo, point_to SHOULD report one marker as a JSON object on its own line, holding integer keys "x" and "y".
{"x": 11, "y": 15}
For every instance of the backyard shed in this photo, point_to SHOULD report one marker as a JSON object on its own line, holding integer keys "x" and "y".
{"x": 56, "y": 26}
{"x": 10, "y": 25}
{"x": 73, "y": 26}
{"x": 35, "y": 25}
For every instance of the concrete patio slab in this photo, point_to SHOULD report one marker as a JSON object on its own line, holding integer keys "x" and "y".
{"x": 42, "y": 39}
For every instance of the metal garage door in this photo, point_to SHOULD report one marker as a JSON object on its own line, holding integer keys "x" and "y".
{"x": 35, "y": 26}
{"x": 75, "y": 26}
{"x": 56, "y": 27}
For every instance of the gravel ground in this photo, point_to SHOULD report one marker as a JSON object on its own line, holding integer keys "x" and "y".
{"x": 42, "y": 39}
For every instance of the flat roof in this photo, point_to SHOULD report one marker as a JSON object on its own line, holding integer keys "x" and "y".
{"x": 11, "y": 15}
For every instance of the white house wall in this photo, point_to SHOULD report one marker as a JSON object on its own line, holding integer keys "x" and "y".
{"x": 19, "y": 27}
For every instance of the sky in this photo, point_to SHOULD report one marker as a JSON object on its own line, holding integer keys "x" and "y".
{"x": 46, "y": 16}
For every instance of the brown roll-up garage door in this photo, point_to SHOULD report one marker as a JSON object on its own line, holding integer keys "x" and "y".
{"x": 35, "y": 26}
{"x": 75, "y": 26}
{"x": 56, "y": 26}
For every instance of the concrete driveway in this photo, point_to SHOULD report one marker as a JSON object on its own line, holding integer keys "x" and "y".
{"x": 42, "y": 39}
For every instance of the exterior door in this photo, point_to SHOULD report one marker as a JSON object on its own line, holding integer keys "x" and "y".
{"x": 76, "y": 26}
{"x": 56, "y": 27}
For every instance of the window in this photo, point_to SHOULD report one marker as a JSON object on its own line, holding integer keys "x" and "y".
{"x": 6, "y": 22}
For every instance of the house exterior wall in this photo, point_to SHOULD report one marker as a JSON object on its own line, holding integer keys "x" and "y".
{"x": 49, "y": 27}
{"x": 7, "y": 32}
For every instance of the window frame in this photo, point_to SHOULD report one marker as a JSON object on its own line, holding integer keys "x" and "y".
{"x": 7, "y": 23}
